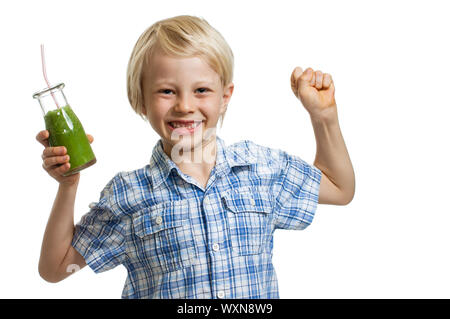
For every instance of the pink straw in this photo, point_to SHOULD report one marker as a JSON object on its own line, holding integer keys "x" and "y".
{"x": 45, "y": 73}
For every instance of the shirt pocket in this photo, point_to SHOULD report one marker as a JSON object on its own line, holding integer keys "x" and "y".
{"x": 249, "y": 218}
{"x": 164, "y": 239}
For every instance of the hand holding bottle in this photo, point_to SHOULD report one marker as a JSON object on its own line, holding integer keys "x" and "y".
{"x": 56, "y": 160}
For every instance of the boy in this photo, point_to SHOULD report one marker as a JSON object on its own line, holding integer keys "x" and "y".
{"x": 197, "y": 222}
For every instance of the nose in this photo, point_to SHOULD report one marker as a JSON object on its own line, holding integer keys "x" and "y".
{"x": 184, "y": 104}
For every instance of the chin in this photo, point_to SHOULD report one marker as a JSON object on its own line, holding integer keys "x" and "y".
{"x": 187, "y": 142}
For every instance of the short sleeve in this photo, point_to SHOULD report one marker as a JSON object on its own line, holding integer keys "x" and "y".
{"x": 296, "y": 193}
{"x": 100, "y": 236}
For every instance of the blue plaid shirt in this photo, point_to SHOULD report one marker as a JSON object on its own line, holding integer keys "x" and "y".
{"x": 180, "y": 240}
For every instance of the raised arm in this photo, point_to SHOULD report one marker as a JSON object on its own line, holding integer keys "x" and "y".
{"x": 316, "y": 92}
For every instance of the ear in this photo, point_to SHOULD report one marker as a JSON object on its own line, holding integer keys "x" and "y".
{"x": 227, "y": 93}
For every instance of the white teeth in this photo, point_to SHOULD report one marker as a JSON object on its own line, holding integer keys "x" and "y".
{"x": 190, "y": 126}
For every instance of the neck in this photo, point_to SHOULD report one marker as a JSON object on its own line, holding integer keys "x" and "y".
{"x": 198, "y": 161}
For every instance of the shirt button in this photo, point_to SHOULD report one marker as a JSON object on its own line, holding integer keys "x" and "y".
{"x": 216, "y": 247}
{"x": 252, "y": 202}
{"x": 221, "y": 294}
{"x": 206, "y": 201}
{"x": 92, "y": 205}
{"x": 158, "y": 220}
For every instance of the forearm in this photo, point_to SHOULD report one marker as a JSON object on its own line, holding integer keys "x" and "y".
{"x": 332, "y": 157}
{"x": 59, "y": 231}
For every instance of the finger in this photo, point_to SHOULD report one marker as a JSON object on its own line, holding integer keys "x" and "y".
{"x": 306, "y": 77}
{"x": 42, "y": 137}
{"x": 53, "y": 151}
{"x": 331, "y": 88}
{"x": 326, "y": 81}
{"x": 90, "y": 138}
{"x": 319, "y": 77}
{"x": 58, "y": 170}
{"x": 63, "y": 168}
{"x": 55, "y": 160}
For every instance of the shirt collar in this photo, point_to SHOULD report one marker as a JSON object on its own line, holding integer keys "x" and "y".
{"x": 160, "y": 165}
{"x": 226, "y": 158}
{"x": 229, "y": 157}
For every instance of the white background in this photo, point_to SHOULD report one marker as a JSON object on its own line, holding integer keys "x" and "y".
{"x": 389, "y": 61}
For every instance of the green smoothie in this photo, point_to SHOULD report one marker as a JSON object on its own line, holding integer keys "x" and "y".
{"x": 66, "y": 130}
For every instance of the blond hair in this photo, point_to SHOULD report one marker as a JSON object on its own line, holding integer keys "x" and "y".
{"x": 180, "y": 36}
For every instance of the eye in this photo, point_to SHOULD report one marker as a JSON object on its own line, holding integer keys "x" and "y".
{"x": 205, "y": 89}
{"x": 164, "y": 91}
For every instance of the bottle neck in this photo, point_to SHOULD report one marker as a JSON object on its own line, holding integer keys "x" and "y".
{"x": 51, "y": 99}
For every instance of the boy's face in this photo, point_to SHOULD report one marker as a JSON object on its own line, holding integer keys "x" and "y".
{"x": 184, "y": 99}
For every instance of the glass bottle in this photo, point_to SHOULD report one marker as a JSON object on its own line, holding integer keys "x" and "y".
{"x": 65, "y": 128}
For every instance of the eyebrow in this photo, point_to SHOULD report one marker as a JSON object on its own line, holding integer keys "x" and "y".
{"x": 196, "y": 83}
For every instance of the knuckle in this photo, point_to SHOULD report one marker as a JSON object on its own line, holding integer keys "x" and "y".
{"x": 57, "y": 160}
{"x": 63, "y": 168}
{"x": 48, "y": 162}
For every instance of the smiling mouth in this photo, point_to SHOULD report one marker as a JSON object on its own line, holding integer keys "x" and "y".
{"x": 188, "y": 125}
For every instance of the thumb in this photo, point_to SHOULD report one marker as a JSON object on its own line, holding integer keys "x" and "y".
{"x": 297, "y": 72}
{"x": 90, "y": 138}
{"x": 305, "y": 78}
{"x": 295, "y": 78}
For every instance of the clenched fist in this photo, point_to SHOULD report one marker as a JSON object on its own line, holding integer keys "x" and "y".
{"x": 316, "y": 92}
